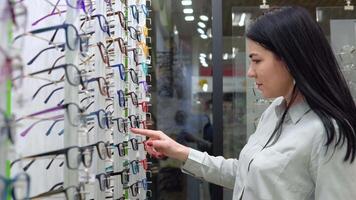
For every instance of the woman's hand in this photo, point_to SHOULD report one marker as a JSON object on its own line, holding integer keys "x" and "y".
{"x": 159, "y": 145}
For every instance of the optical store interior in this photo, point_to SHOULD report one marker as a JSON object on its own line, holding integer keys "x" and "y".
{"x": 76, "y": 75}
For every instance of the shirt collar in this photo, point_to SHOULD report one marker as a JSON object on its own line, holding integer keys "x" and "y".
{"x": 295, "y": 113}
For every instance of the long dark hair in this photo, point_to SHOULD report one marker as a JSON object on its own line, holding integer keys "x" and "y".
{"x": 293, "y": 36}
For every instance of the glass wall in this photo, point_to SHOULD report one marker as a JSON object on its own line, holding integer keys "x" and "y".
{"x": 182, "y": 91}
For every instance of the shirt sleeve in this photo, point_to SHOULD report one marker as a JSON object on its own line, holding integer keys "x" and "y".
{"x": 334, "y": 178}
{"x": 213, "y": 169}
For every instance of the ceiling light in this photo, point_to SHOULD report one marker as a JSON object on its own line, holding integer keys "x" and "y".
{"x": 186, "y": 2}
{"x": 202, "y": 55}
{"x": 189, "y": 18}
{"x": 201, "y": 25}
{"x": 204, "y": 18}
{"x": 208, "y": 32}
{"x": 203, "y": 36}
{"x": 201, "y": 31}
{"x": 175, "y": 30}
{"x": 225, "y": 56}
{"x": 205, "y": 87}
{"x": 188, "y": 11}
{"x": 242, "y": 19}
{"x": 235, "y": 20}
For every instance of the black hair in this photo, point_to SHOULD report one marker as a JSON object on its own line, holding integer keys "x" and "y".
{"x": 296, "y": 38}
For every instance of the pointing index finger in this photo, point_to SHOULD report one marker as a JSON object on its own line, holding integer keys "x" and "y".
{"x": 146, "y": 132}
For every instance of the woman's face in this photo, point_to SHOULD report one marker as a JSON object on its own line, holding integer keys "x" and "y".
{"x": 270, "y": 73}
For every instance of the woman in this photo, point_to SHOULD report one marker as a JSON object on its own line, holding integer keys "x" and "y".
{"x": 305, "y": 143}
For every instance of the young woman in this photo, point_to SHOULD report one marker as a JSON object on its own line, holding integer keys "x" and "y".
{"x": 304, "y": 147}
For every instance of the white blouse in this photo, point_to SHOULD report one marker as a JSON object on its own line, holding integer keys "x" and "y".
{"x": 296, "y": 167}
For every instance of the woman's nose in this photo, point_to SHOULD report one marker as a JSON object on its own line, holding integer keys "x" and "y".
{"x": 251, "y": 73}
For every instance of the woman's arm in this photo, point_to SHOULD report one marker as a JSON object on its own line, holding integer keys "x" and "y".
{"x": 212, "y": 169}
{"x": 217, "y": 170}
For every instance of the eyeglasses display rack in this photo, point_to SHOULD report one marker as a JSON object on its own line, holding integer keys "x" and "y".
{"x": 81, "y": 87}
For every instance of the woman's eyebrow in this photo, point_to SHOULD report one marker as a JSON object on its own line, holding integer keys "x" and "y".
{"x": 253, "y": 54}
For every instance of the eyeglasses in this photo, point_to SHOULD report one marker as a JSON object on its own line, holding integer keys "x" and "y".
{"x": 134, "y": 189}
{"x": 144, "y": 183}
{"x": 123, "y": 146}
{"x": 104, "y": 53}
{"x": 74, "y": 155}
{"x": 135, "y": 142}
{"x": 145, "y": 48}
{"x": 145, "y": 163}
{"x": 123, "y": 48}
{"x": 104, "y": 181}
{"x": 72, "y": 36}
{"x": 121, "y": 124}
{"x": 144, "y": 67}
{"x": 103, "y": 118}
{"x": 18, "y": 13}
{"x": 6, "y": 126}
{"x": 125, "y": 175}
{"x": 86, "y": 6}
{"x": 134, "y": 98}
{"x": 145, "y": 85}
{"x": 103, "y": 23}
{"x": 121, "y": 42}
{"x": 102, "y": 84}
{"x": 144, "y": 105}
{"x": 122, "y": 100}
{"x": 135, "y": 12}
{"x": 134, "y": 33}
{"x": 71, "y": 192}
{"x": 27, "y": 130}
{"x": 11, "y": 62}
{"x": 134, "y": 76}
{"x": 135, "y": 121}
{"x": 135, "y": 52}
{"x": 121, "y": 96}
{"x": 121, "y": 68}
{"x": 122, "y": 18}
{"x": 72, "y": 73}
{"x": 73, "y": 111}
{"x": 19, "y": 186}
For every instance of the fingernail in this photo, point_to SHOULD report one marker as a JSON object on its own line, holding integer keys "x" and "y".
{"x": 149, "y": 144}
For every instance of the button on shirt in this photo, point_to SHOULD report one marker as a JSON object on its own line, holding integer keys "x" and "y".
{"x": 296, "y": 167}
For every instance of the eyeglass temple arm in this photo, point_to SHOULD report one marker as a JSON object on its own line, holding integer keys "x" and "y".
{"x": 53, "y": 124}
{"x": 49, "y": 153}
{"x": 43, "y": 112}
{"x": 38, "y": 90}
{"x": 51, "y": 94}
{"x": 60, "y": 46}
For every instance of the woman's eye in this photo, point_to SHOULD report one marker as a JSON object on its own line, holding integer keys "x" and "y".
{"x": 255, "y": 61}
